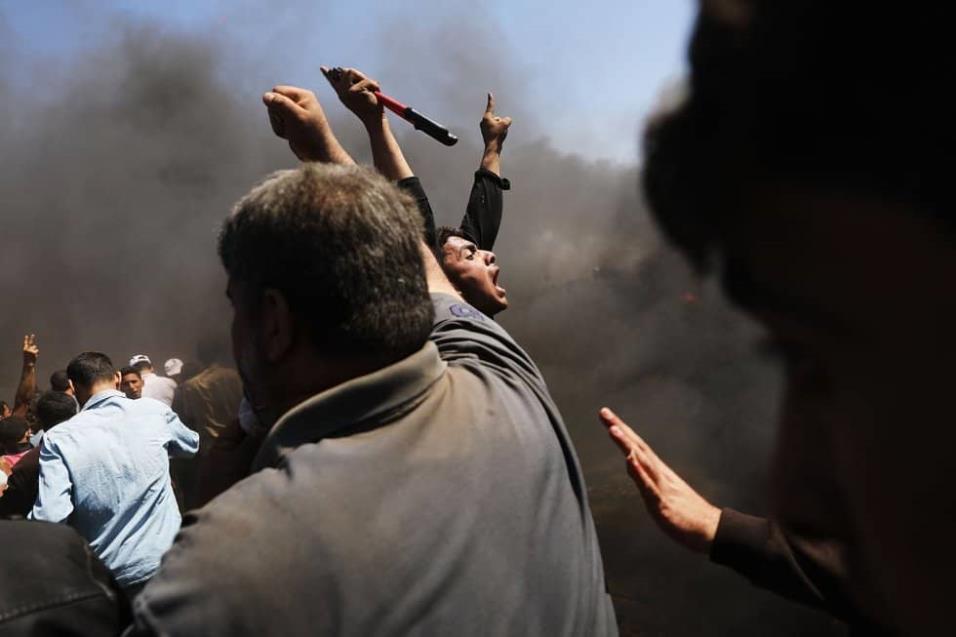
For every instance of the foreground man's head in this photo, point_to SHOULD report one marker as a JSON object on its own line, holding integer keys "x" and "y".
{"x": 326, "y": 281}
{"x": 811, "y": 163}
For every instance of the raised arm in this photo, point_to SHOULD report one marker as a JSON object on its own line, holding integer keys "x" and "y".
{"x": 808, "y": 570}
{"x": 27, "y": 388}
{"x": 296, "y": 116}
{"x": 483, "y": 215}
{"x": 357, "y": 93}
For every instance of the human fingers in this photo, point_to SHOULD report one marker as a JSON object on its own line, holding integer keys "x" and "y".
{"x": 353, "y": 75}
{"x": 613, "y": 421}
{"x": 490, "y": 106}
{"x": 632, "y": 444}
{"x": 615, "y": 428}
{"x": 295, "y": 93}
{"x": 365, "y": 85}
{"x": 279, "y": 107}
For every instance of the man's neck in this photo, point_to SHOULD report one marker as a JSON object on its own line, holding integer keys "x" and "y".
{"x": 318, "y": 378}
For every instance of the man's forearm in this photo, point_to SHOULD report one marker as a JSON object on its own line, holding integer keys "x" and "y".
{"x": 26, "y": 389}
{"x": 491, "y": 158}
{"x": 386, "y": 153}
{"x": 328, "y": 150}
{"x": 811, "y": 571}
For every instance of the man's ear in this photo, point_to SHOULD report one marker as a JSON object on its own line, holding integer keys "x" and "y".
{"x": 117, "y": 380}
{"x": 276, "y": 324}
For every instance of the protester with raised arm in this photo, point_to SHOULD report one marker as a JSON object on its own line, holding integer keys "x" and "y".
{"x": 464, "y": 252}
{"x": 27, "y": 387}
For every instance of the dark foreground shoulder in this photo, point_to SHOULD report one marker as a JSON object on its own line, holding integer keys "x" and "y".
{"x": 55, "y": 585}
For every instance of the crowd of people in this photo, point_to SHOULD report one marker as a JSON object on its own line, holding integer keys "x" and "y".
{"x": 385, "y": 459}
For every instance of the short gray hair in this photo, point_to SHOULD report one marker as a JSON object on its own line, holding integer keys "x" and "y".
{"x": 342, "y": 245}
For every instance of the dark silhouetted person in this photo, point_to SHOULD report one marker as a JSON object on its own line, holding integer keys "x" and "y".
{"x": 53, "y": 584}
{"x": 60, "y": 382}
{"x": 14, "y": 439}
{"x": 406, "y": 484}
{"x": 207, "y": 403}
{"x": 811, "y": 164}
{"x": 106, "y": 472}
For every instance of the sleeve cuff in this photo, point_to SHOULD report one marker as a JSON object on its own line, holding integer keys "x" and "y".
{"x": 501, "y": 182}
{"x": 739, "y": 538}
{"x": 411, "y": 185}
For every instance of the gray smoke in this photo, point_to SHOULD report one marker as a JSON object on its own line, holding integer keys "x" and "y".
{"x": 113, "y": 182}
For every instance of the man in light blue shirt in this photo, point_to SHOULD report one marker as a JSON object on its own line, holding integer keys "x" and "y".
{"x": 106, "y": 472}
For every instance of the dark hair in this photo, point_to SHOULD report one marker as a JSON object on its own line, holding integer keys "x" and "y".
{"x": 443, "y": 234}
{"x": 89, "y": 367}
{"x": 342, "y": 246}
{"x": 190, "y": 369}
{"x": 810, "y": 92}
{"x": 11, "y": 432}
{"x": 142, "y": 366}
{"x": 54, "y": 407}
{"x": 130, "y": 369}
{"x": 59, "y": 381}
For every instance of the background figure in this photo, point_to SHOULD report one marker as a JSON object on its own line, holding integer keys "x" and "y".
{"x": 27, "y": 387}
{"x": 128, "y": 522}
{"x": 52, "y": 408}
{"x": 154, "y": 386}
{"x": 131, "y": 382}
{"x": 14, "y": 439}
{"x": 173, "y": 368}
{"x": 207, "y": 403}
{"x": 60, "y": 382}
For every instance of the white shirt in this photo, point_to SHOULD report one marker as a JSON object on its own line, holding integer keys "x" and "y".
{"x": 158, "y": 388}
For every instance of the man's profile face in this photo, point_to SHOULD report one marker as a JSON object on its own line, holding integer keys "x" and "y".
{"x": 250, "y": 362}
{"x": 132, "y": 386}
{"x": 474, "y": 273}
{"x": 857, "y": 296}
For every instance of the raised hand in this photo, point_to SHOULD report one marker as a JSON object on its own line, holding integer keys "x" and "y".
{"x": 356, "y": 92}
{"x": 297, "y": 116}
{"x": 30, "y": 349}
{"x": 494, "y": 129}
{"x": 678, "y": 510}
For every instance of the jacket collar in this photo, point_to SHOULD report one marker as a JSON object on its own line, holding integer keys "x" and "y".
{"x": 363, "y": 402}
{"x": 98, "y": 398}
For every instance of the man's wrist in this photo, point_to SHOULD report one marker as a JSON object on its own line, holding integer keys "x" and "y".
{"x": 375, "y": 124}
{"x": 491, "y": 161}
{"x": 493, "y": 147}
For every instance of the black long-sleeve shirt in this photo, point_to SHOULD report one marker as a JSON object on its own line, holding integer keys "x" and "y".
{"x": 482, "y": 216}
{"x": 812, "y": 571}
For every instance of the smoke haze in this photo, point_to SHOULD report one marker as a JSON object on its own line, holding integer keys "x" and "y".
{"x": 118, "y": 168}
